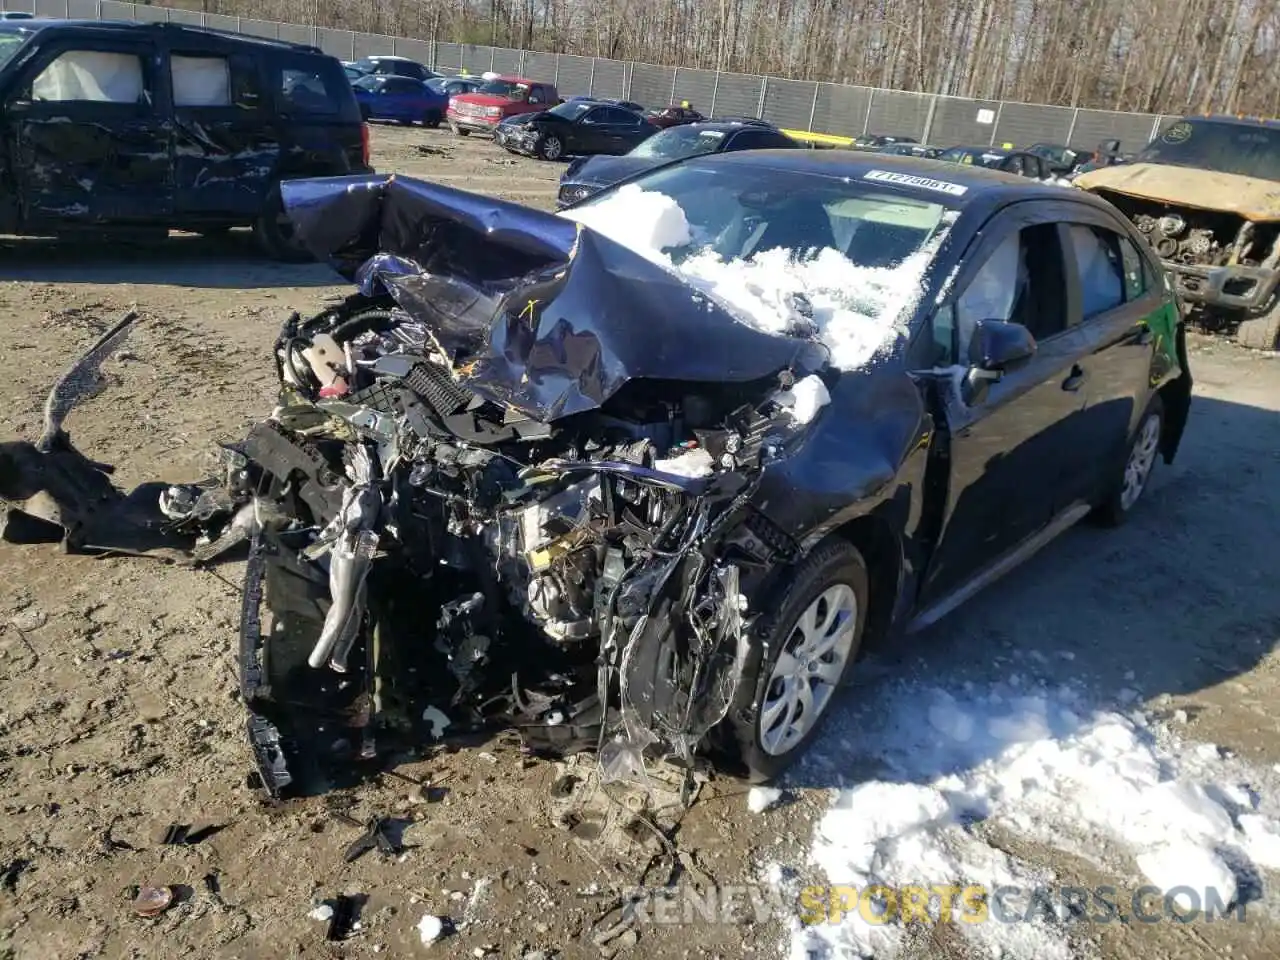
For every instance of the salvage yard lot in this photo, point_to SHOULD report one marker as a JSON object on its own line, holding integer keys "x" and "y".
{"x": 118, "y": 714}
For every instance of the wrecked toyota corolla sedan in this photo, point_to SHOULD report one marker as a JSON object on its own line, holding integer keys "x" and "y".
{"x": 644, "y": 475}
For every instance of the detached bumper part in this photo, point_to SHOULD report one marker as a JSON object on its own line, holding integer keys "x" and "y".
{"x": 1235, "y": 288}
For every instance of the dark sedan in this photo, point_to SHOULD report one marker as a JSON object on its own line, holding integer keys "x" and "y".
{"x": 656, "y": 472}
{"x": 589, "y": 175}
{"x": 1019, "y": 162}
{"x": 1060, "y": 160}
{"x": 453, "y": 86}
{"x": 579, "y": 128}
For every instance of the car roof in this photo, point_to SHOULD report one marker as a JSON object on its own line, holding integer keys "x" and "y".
{"x": 725, "y": 126}
{"x": 980, "y": 183}
{"x": 388, "y": 56}
{"x": 129, "y": 27}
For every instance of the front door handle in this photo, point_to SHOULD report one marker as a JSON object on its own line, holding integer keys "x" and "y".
{"x": 1076, "y": 380}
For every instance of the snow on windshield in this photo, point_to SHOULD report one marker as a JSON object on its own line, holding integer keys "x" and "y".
{"x": 857, "y": 311}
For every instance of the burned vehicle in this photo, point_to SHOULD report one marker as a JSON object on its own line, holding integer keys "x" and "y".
{"x": 642, "y": 476}
{"x": 1206, "y": 194}
{"x": 147, "y": 127}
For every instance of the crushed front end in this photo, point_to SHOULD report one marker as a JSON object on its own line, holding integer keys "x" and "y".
{"x": 483, "y": 499}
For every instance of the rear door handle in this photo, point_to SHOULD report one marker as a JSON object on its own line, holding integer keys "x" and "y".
{"x": 1076, "y": 380}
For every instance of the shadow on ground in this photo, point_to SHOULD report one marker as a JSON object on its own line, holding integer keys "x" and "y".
{"x": 229, "y": 261}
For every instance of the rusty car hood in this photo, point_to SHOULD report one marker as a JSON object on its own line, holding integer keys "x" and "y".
{"x": 1249, "y": 197}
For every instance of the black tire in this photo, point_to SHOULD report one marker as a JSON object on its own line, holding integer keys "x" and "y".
{"x": 1116, "y": 508}
{"x": 274, "y": 233}
{"x": 431, "y": 120}
{"x": 364, "y": 113}
{"x": 550, "y": 147}
{"x": 831, "y": 563}
{"x": 1261, "y": 333}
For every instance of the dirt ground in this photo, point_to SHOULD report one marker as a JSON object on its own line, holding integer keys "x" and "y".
{"x": 118, "y": 709}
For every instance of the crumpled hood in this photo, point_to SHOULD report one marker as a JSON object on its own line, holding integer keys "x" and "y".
{"x": 1189, "y": 187}
{"x": 545, "y": 316}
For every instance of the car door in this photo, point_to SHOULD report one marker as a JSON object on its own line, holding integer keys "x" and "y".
{"x": 89, "y": 133}
{"x": 225, "y": 144}
{"x": 1121, "y": 300}
{"x": 404, "y": 98}
{"x": 1009, "y": 445}
{"x": 589, "y": 133}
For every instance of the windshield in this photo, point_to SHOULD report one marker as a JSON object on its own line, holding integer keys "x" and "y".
{"x": 788, "y": 252}
{"x": 10, "y": 41}
{"x": 676, "y": 143}
{"x": 367, "y": 83}
{"x": 437, "y": 84}
{"x": 504, "y": 88}
{"x": 740, "y": 212}
{"x": 571, "y": 109}
{"x": 363, "y": 66}
{"x": 1247, "y": 150}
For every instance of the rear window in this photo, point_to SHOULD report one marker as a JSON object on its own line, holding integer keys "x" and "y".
{"x": 314, "y": 87}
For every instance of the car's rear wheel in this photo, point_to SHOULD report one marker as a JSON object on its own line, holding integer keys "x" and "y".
{"x": 551, "y": 147}
{"x": 275, "y": 233}
{"x": 1139, "y": 464}
{"x": 431, "y": 119}
{"x": 1261, "y": 333}
{"x": 800, "y": 660}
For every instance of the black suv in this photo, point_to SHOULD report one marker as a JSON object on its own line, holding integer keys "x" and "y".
{"x": 161, "y": 126}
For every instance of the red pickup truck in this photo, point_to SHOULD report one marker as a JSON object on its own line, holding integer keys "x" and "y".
{"x": 488, "y": 105}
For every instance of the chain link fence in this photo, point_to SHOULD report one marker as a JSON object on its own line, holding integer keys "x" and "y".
{"x": 798, "y": 105}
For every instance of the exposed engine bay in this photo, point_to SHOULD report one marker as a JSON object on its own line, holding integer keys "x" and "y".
{"x": 471, "y": 507}
{"x": 1189, "y": 235}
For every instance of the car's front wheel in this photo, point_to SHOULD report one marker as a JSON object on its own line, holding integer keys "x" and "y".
{"x": 800, "y": 659}
{"x": 551, "y": 147}
{"x": 1139, "y": 464}
{"x": 456, "y": 130}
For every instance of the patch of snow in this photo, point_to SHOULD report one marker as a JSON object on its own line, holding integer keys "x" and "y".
{"x": 760, "y": 799}
{"x": 1190, "y": 866}
{"x": 692, "y": 463}
{"x": 1033, "y": 762}
{"x": 1262, "y": 840}
{"x": 644, "y": 221}
{"x": 430, "y": 929}
{"x": 804, "y": 399}
{"x": 855, "y": 310}
{"x": 322, "y": 912}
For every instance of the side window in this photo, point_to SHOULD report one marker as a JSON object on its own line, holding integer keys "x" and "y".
{"x": 92, "y": 76}
{"x": 304, "y": 91}
{"x": 1101, "y": 270}
{"x": 593, "y": 117}
{"x": 615, "y": 116}
{"x": 1022, "y": 281}
{"x": 1014, "y": 165}
{"x": 203, "y": 80}
{"x": 1136, "y": 271}
{"x": 401, "y": 85}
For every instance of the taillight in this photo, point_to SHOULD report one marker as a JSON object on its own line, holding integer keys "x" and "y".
{"x": 364, "y": 144}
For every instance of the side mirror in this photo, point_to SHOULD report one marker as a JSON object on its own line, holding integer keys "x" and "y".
{"x": 995, "y": 348}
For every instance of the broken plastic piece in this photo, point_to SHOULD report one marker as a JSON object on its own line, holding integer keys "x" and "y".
{"x": 803, "y": 400}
